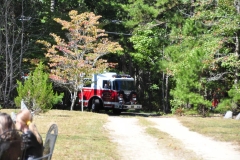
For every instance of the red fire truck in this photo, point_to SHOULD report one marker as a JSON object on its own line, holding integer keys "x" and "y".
{"x": 109, "y": 91}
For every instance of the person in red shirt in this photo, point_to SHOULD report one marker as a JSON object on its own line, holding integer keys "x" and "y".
{"x": 215, "y": 102}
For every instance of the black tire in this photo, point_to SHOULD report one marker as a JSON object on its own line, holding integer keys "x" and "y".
{"x": 95, "y": 105}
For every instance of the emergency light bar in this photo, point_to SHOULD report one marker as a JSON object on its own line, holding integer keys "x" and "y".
{"x": 121, "y": 76}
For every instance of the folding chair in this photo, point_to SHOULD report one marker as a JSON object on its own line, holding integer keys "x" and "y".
{"x": 49, "y": 144}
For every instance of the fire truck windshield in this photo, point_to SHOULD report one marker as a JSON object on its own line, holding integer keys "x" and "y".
{"x": 123, "y": 85}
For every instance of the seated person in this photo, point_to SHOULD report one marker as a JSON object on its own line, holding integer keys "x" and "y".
{"x": 32, "y": 139}
{"x": 10, "y": 139}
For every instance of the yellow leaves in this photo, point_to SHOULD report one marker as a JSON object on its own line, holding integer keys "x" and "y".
{"x": 45, "y": 43}
{"x": 57, "y": 38}
{"x": 73, "y": 13}
{"x": 64, "y": 23}
{"x": 106, "y": 47}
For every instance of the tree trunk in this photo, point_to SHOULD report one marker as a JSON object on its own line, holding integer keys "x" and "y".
{"x": 73, "y": 98}
{"x": 166, "y": 95}
{"x": 9, "y": 39}
{"x": 52, "y": 6}
{"x": 163, "y": 94}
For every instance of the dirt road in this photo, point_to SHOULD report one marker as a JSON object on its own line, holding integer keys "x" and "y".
{"x": 134, "y": 143}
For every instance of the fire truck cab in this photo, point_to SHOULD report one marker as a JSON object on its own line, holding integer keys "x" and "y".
{"x": 109, "y": 91}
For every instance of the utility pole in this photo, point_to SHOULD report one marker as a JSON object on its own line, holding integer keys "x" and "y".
{"x": 21, "y": 54}
{"x": 22, "y": 19}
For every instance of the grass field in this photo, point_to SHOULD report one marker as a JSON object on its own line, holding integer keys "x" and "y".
{"x": 81, "y": 135}
{"x": 221, "y": 129}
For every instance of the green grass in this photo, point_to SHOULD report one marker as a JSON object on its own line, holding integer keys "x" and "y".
{"x": 81, "y": 135}
{"x": 217, "y": 127}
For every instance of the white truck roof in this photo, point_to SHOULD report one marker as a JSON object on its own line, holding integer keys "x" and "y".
{"x": 107, "y": 75}
{"x": 112, "y": 75}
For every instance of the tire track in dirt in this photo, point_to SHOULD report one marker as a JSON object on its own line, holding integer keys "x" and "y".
{"x": 133, "y": 142}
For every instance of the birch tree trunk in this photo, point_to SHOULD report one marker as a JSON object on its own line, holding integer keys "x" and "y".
{"x": 52, "y": 6}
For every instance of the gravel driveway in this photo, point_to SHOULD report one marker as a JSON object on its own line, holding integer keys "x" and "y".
{"x": 133, "y": 143}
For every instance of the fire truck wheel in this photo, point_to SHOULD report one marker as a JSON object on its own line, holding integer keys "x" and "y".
{"x": 95, "y": 105}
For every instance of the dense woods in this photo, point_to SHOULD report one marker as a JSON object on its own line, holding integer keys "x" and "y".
{"x": 183, "y": 53}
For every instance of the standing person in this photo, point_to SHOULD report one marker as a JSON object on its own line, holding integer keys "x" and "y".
{"x": 215, "y": 100}
{"x": 31, "y": 138}
{"x": 10, "y": 139}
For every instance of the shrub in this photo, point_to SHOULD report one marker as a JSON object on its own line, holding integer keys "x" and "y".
{"x": 37, "y": 91}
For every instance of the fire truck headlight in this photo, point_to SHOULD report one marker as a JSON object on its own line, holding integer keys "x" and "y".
{"x": 120, "y": 99}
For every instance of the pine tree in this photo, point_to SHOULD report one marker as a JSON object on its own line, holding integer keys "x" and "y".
{"x": 37, "y": 91}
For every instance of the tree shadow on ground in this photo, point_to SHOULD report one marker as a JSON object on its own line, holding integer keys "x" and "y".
{"x": 133, "y": 114}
